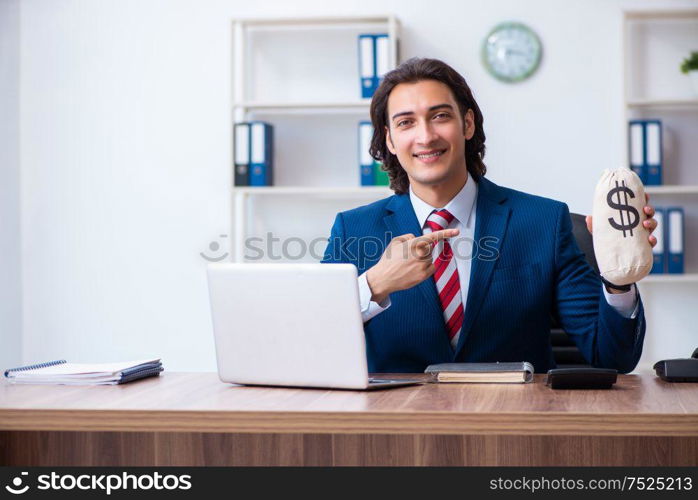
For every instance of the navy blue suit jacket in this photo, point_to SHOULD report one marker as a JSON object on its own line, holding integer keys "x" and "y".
{"x": 526, "y": 266}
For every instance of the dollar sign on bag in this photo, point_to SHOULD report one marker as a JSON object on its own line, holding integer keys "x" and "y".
{"x": 630, "y": 212}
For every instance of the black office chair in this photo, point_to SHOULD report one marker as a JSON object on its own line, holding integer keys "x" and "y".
{"x": 565, "y": 351}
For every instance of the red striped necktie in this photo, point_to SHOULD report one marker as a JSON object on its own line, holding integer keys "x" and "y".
{"x": 446, "y": 276}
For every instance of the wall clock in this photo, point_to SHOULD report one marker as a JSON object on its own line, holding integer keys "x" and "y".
{"x": 511, "y": 52}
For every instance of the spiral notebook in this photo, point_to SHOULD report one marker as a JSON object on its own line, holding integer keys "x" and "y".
{"x": 63, "y": 373}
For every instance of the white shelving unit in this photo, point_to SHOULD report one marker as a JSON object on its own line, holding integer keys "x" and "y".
{"x": 301, "y": 75}
{"x": 655, "y": 43}
{"x": 315, "y": 191}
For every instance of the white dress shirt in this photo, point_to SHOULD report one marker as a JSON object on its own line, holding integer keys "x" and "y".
{"x": 463, "y": 207}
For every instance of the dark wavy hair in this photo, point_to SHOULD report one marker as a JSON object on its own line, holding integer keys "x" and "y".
{"x": 412, "y": 71}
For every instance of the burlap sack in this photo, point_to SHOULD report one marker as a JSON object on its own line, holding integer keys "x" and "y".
{"x": 621, "y": 244}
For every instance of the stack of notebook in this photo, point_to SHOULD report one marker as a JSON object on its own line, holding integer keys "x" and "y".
{"x": 62, "y": 372}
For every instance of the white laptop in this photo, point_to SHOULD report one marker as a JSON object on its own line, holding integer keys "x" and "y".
{"x": 290, "y": 325}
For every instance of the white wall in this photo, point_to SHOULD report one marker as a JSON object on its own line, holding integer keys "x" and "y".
{"x": 125, "y": 148}
{"x": 10, "y": 268}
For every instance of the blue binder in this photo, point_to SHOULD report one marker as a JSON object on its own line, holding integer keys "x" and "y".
{"x": 367, "y": 65}
{"x": 261, "y": 154}
{"x": 653, "y": 152}
{"x": 636, "y": 148}
{"x": 659, "y": 252}
{"x": 675, "y": 233}
{"x": 381, "y": 59}
{"x": 365, "y": 159}
{"x": 374, "y": 61}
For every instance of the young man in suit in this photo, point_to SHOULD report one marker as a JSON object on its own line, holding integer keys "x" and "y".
{"x": 454, "y": 268}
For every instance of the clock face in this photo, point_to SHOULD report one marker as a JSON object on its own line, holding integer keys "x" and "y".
{"x": 511, "y": 52}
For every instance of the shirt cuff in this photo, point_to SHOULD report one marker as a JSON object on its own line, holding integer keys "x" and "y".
{"x": 369, "y": 308}
{"x": 626, "y": 304}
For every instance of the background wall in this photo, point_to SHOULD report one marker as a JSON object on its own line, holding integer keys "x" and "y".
{"x": 125, "y": 147}
{"x": 10, "y": 269}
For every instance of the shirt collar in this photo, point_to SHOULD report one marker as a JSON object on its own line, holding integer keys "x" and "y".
{"x": 461, "y": 206}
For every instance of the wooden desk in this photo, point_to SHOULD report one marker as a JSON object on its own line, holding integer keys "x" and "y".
{"x": 194, "y": 419}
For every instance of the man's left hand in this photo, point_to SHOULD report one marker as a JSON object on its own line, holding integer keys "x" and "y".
{"x": 649, "y": 223}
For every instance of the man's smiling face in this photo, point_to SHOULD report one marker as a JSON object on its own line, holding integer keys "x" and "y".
{"x": 427, "y": 133}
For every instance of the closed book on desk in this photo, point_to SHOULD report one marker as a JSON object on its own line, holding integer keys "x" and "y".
{"x": 517, "y": 372}
{"x": 63, "y": 373}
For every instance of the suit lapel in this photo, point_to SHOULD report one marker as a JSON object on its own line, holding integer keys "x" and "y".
{"x": 401, "y": 219}
{"x": 491, "y": 221}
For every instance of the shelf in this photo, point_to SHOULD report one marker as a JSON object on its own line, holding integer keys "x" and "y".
{"x": 671, "y": 278}
{"x": 306, "y": 107}
{"x": 287, "y": 71}
{"x": 313, "y": 191}
{"x": 671, "y": 189}
{"x": 662, "y": 103}
{"x": 313, "y": 21}
{"x": 653, "y": 14}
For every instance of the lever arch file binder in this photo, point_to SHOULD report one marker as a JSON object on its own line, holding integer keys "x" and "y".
{"x": 241, "y": 146}
{"x": 653, "y": 152}
{"x": 381, "y": 56}
{"x": 636, "y": 149}
{"x": 676, "y": 240}
{"x": 365, "y": 160}
{"x": 261, "y": 154}
{"x": 659, "y": 251}
{"x": 367, "y": 65}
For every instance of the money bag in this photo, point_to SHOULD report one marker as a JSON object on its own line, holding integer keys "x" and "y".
{"x": 621, "y": 246}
